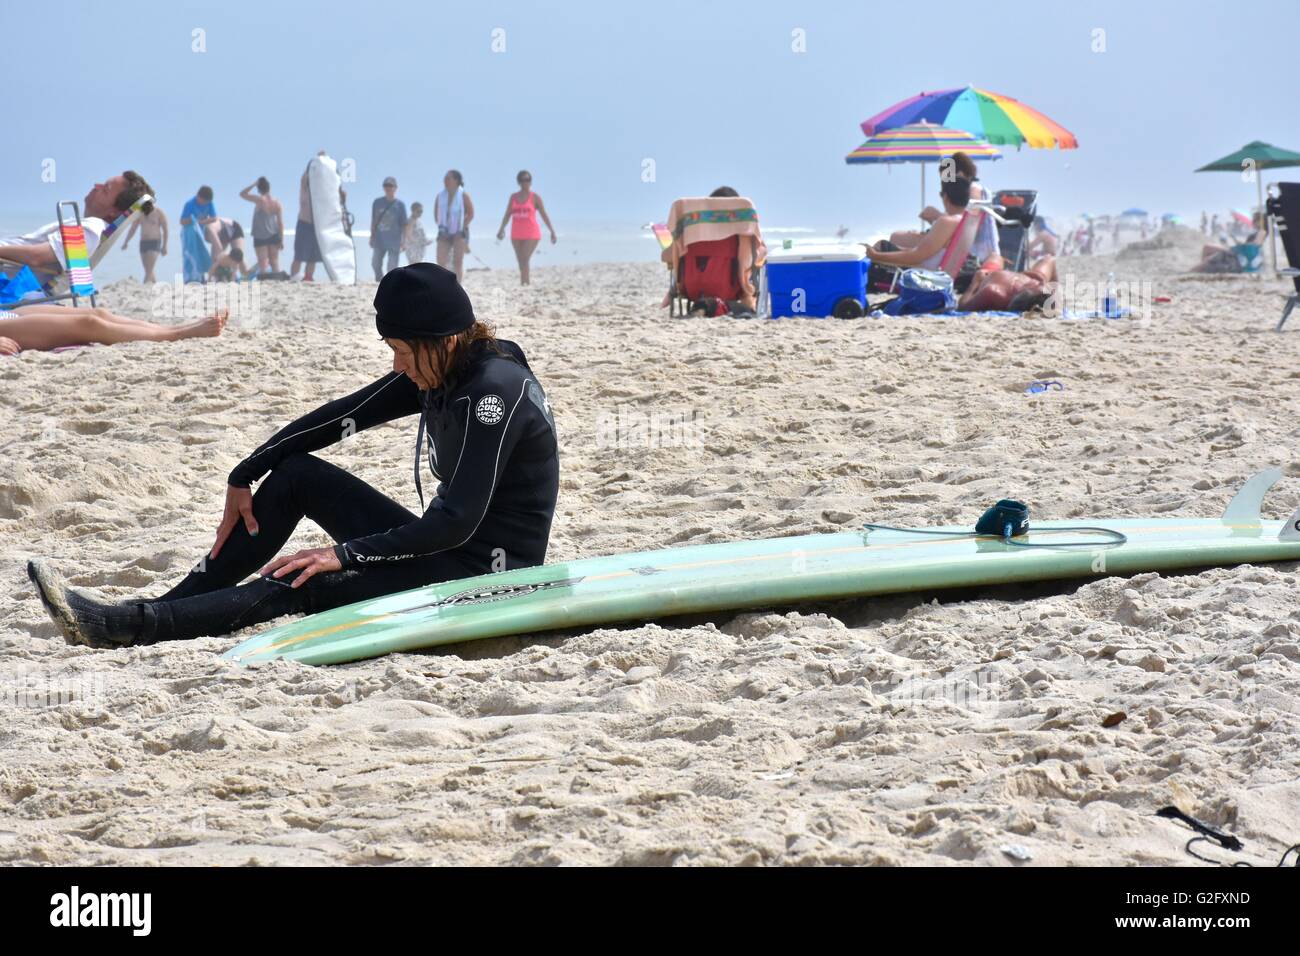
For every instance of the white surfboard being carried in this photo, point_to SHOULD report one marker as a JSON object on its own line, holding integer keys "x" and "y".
{"x": 333, "y": 233}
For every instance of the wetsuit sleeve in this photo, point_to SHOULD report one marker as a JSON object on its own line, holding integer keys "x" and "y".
{"x": 392, "y": 396}
{"x": 495, "y": 422}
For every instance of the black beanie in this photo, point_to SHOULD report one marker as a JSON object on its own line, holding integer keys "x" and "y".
{"x": 421, "y": 301}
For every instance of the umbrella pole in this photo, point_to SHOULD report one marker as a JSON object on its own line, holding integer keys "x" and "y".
{"x": 1272, "y": 244}
{"x": 922, "y": 185}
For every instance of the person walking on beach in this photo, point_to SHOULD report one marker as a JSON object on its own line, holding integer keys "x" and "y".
{"x": 153, "y": 239}
{"x": 415, "y": 241}
{"x": 522, "y": 209}
{"x": 486, "y": 431}
{"x": 268, "y": 225}
{"x": 453, "y": 211}
{"x": 387, "y": 227}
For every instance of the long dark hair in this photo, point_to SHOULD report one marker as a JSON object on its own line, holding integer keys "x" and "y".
{"x": 435, "y": 355}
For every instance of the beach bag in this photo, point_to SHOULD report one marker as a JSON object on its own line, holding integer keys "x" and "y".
{"x": 922, "y": 292}
{"x": 21, "y": 283}
{"x": 709, "y": 306}
{"x": 1249, "y": 257}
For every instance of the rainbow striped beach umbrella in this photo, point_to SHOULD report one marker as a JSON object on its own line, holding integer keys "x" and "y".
{"x": 990, "y": 116}
{"x": 920, "y": 143}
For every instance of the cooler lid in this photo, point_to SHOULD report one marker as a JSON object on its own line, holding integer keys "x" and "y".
{"x": 818, "y": 253}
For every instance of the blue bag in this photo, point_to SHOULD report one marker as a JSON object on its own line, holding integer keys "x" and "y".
{"x": 21, "y": 283}
{"x": 922, "y": 292}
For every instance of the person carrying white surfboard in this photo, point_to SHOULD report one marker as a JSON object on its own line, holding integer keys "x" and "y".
{"x": 306, "y": 250}
{"x": 485, "y": 427}
{"x": 453, "y": 211}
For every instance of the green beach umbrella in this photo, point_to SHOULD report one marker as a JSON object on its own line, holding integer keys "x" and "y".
{"x": 1255, "y": 156}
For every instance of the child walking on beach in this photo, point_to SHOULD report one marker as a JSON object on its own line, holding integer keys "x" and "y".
{"x": 522, "y": 210}
{"x": 416, "y": 240}
{"x": 153, "y": 239}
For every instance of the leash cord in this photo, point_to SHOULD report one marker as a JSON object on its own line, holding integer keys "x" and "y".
{"x": 1116, "y": 537}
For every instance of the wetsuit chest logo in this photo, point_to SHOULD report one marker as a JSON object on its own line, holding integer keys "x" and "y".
{"x": 490, "y": 409}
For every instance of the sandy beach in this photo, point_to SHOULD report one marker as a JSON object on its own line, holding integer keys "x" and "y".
{"x": 811, "y": 735}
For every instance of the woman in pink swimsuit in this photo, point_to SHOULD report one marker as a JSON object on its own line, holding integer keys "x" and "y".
{"x": 521, "y": 213}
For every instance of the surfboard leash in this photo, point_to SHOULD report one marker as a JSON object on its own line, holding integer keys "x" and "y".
{"x": 1008, "y": 520}
{"x": 1207, "y": 834}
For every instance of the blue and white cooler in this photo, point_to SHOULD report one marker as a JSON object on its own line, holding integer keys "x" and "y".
{"x": 817, "y": 281}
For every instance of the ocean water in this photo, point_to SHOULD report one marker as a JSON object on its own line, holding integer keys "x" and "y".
{"x": 579, "y": 243}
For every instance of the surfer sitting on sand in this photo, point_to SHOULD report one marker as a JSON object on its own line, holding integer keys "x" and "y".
{"x": 490, "y": 442}
{"x": 47, "y": 326}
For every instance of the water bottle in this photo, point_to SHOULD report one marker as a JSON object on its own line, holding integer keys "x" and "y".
{"x": 1109, "y": 302}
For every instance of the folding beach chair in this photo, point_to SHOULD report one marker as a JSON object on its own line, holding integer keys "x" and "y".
{"x": 1017, "y": 209}
{"x": 77, "y": 279}
{"x": 1284, "y": 210}
{"x": 714, "y": 249}
{"x": 958, "y": 248}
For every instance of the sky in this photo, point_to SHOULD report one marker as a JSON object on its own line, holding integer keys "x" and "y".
{"x": 618, "y": 107}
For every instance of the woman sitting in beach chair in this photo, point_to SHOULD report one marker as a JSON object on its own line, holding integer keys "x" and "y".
{"x": 1217, "y": 258}
{"x": 39, "y": 328}
{"x": 715, "y": 252}
{"x": 936, "y": 250}
{"x": 986, "y": 241}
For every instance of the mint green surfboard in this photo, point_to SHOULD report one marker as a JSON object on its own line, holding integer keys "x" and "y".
{"x": 764, "y": 573}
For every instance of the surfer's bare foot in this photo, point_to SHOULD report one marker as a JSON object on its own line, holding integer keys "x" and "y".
{"x": 81, "y": 619}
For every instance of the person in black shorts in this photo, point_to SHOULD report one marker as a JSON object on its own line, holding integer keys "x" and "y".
{"x": 486, "y": 429}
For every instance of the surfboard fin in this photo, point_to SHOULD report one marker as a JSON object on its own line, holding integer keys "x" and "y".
{"x": 1245, "y": 504}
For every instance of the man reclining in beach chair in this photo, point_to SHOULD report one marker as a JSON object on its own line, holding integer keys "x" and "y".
{"x": 40, "y": 324}
{"x": 1284, "y": 210}
{"x": 107, "y": 207}
{"x": 715, "y": 252}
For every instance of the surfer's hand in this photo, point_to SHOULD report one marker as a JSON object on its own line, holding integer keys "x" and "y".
{"x": 239, "y": 504}
{"x": 310, "y": 562}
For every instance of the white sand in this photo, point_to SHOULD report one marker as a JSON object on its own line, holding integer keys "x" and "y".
{"x": 819, "y": 735}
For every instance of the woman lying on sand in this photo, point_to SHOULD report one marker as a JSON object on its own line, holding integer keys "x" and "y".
{"x": 50, "y": 326}
{"x": 1007, "y": 291}
{"x": 491, "y": 444}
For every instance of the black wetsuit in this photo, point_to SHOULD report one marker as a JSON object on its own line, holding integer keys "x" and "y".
{"x": 491, "y": 444}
